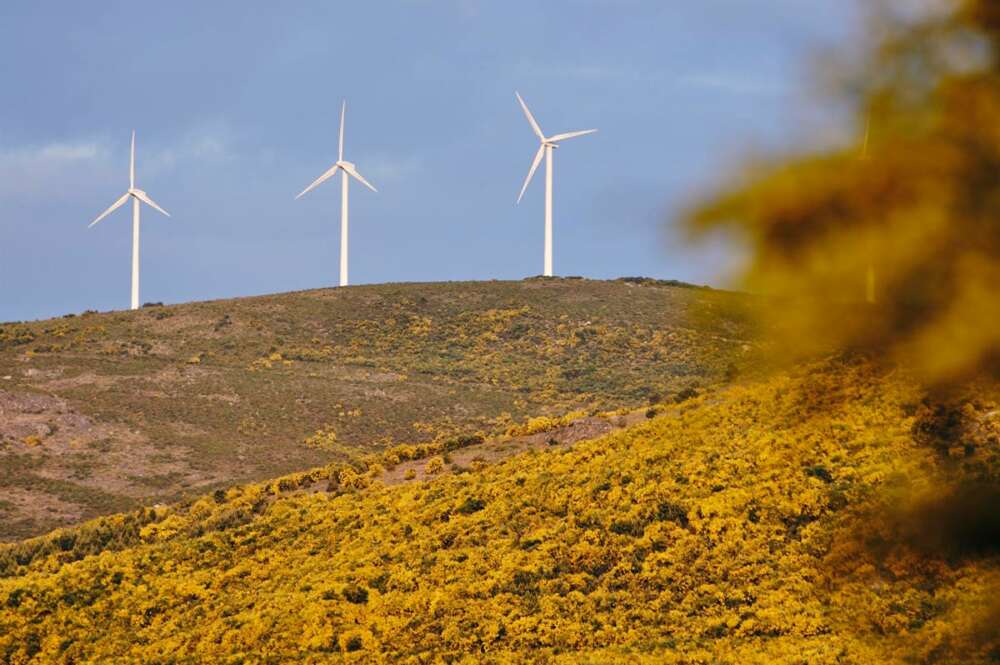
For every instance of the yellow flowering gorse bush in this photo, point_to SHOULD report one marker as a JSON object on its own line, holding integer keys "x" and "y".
{"x": 727, "y": 532}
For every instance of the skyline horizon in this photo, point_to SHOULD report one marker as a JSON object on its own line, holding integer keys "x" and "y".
{"x": 227, "y": 166}
{"x": 660, "y": 281}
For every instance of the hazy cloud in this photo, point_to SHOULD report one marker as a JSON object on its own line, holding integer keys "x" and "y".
{"x": 206, "y": 144}
{"x": 387, "y": 167}
{"x": 63, "y": 169}
{"x": 31, "y": 170}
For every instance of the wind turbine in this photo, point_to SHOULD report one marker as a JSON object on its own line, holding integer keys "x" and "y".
{"x": 136, "y": 195}
{"x": 346, "y": 169}
{"x": 547, "y": 146}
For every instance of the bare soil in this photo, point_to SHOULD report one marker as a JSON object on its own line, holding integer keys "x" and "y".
{"x": 498, "y": 449}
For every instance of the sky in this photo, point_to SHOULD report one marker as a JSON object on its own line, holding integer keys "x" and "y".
{"x": 236, "y": 107}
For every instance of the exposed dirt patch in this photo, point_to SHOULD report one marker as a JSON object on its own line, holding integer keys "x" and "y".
{"x": 161, "y": 348}
{"x": 495, "y": 450}
{"x": 89, "y": 379}
{"x": 35, "y": 373}
{"x": 383, "y": 377}
{"x": 186, "y": 429}
{"x": 74, "y": 449}
{"x": 220, "y": 397}
{"x": 33, "y": 415}
{"x": 186, "y": 375}
{"x": 19, "y": 504}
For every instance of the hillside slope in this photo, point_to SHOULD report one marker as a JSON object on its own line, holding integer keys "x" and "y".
{"x": 103, "y": 412}
{"x": 752, "y": 526}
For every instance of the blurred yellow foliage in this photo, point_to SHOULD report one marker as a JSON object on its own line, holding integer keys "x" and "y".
{"x": 916, "y": 224}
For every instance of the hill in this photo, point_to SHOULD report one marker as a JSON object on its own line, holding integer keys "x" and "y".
{"x": 772, "y": 522}
{"x": 101, "y": 413}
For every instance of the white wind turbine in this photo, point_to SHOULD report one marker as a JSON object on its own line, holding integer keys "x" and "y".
{"x": 546, "y": 148}
{"x": 136, "y": 195}
{"x": 347, "y": 169}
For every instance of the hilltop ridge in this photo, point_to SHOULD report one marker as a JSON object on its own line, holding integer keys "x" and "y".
{"x": 104, "y": 412}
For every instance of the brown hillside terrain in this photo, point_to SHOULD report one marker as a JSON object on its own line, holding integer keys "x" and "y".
{"x": 103, "y": 412}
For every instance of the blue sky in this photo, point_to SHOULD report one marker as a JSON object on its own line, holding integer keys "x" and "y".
{"x": 236, "y": 106}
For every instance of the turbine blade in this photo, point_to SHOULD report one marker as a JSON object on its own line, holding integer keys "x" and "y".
{"x": 531, "y": 118}
{"x": 114, "y": 206}
{"x": 571, "y": 135}
{"x": 343, "y": 112}
{"x": 531, "y": 171}
{"x": 319, "y": 180}
{"x": 144, "y": 197}
{"x": 131, "y": 166}
{"x": 354, "y": 174}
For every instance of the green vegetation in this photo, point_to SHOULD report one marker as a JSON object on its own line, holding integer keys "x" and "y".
{"x": 133, "y": 408}
{"x": 784, "y": 521}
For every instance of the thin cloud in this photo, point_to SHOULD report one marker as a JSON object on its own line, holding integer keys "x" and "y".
{"x": 31, "y": 170}
{"x": 212, "y": 144}
{"x": 388, "y": 167}
{"x": 65, "y": 169}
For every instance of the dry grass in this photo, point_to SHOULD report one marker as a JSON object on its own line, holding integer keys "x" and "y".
{"x": 382, "y": 365}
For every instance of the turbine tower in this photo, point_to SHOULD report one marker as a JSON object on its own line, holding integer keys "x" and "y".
{"x": 545, "y": 149}
{"x": 136, "y": 195}
{"x": 346, "y": 169}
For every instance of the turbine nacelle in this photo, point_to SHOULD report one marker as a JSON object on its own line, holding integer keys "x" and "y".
{"x": 132, "y": 192}
{"x": 348, "y": 167}
{"x": 545, "y": 142}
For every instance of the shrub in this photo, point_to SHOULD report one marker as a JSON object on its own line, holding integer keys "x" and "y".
{"x": 668, "y": 511}
{"x": 15, "y": 336}
{"x": 471, "y": 505}
{"x": 324, "y": 439}
{"x": 821, "y": 472}
{"x": 685, "y": 395}
{"x": 358, "y": 595}
{"x": 732, "y": 372}
{"x": 543, "y": 424}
